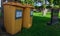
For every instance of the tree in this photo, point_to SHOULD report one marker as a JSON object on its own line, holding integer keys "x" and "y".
{"x": 27, "y": 2}
{"x": 55, "y": 2}
{"x": 51, "y": 2}
{"x": 44, "y": 7}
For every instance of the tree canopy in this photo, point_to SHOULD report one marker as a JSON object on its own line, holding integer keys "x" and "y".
{"x": 27, "y": 2}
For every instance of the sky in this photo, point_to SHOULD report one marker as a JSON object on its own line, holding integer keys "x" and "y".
{"x": 0, "y": 3}
{"x": 39, "y": 3}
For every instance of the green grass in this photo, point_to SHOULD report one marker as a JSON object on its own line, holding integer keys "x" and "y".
{"x": 40, "y": 27}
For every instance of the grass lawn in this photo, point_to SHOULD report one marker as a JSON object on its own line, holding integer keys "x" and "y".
{"x": 40, "y": 27}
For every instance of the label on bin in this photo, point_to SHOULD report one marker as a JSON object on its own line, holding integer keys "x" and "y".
{"x": 18, "y": 13}
{"x": 31, "y": 13}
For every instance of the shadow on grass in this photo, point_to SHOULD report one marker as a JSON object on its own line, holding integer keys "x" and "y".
{"x": 38, "y": 28}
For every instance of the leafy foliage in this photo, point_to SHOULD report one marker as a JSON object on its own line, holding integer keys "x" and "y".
{"x": 55, "y": 2}
{"x": 50, "y": 1}
{"x": 27, "y": 2}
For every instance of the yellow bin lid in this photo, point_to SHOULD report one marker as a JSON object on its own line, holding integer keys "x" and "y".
{"x": 13, "y": 4}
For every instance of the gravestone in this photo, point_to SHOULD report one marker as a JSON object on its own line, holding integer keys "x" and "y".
{"x": 54, "y": 17}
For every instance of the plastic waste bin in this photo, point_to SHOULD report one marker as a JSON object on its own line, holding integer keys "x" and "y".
{"x": 13, "y": 17}
{"x": 27, "y": 16}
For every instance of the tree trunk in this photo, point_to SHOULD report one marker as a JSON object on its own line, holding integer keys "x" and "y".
{"x": 54, "y": 16}
{"x": 44, "y": 12}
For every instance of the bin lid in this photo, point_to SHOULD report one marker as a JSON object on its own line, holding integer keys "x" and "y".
{"x": 13, "y": 4}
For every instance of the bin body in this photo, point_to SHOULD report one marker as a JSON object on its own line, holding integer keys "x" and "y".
{"x": 27, "y": 18}
{"x": 12, "y": 21}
